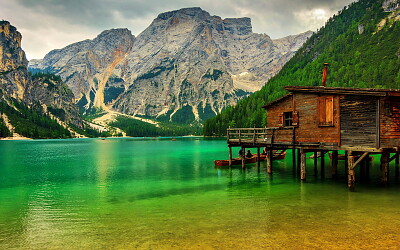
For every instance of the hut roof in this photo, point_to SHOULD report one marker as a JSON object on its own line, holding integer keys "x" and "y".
{"x": 276, "y": 101}
{"x": 344, "y": 91}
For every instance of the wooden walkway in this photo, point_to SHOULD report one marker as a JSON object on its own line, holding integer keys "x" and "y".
{"x": 284, "y": 138}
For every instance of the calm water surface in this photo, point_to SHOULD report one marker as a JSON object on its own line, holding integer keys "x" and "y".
{"x": 156, "y": 193}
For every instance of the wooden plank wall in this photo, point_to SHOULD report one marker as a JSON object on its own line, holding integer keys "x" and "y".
{"x": 390, "y": 123}
{"x": 358, "y": 120}
{"x": 309, "y": 130}
{"x": 273, "y": 118}
{"x": 276, "y": 109}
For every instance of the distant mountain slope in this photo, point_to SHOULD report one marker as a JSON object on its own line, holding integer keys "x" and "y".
{"x": 362, "y": 46}
{"x": 187, "y": 65}
{"x": 38, "y": 108}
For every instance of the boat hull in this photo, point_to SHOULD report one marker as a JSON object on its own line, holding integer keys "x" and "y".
{"x": 253, "y": 159}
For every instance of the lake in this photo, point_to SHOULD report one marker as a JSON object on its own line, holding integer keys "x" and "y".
{"x": 155, "y": 193}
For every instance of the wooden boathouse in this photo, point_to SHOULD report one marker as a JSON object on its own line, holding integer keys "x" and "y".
{"x": 320, "y": 119}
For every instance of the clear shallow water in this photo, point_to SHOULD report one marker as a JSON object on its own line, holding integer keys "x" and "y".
{"x": 157, "y": 193}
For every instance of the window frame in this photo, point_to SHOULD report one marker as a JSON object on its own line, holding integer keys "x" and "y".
{"x": 326, "y": 109}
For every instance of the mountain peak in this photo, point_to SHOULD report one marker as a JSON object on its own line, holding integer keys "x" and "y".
{"x": 185, "y": 12}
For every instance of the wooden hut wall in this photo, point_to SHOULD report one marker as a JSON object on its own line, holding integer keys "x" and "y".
{"x": 390, "y": 122}
{"x": 274, "y": 118}
{"x": 310, "y": 129}
{"x": 274, "y": 111}
{"x": 358, "y": 124}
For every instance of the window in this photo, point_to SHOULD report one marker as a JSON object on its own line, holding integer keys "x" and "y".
{"x": 288, "y": 119}
{"x": 325, "y": 111}
{"x": 388, "y": 108}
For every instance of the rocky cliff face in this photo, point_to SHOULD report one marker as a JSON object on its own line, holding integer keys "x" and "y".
{"x": 15, "y": 82}
{"x": 86, "y": 66}
{"x": 187, "y": 63}
{"x": 13, "y": 64}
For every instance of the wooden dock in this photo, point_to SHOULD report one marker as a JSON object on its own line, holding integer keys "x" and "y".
{"x": 276, "y": 138}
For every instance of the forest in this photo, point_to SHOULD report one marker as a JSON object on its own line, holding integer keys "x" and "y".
{"x": 358, "y": 52}
{"x": 31, "y": 122}
{"x": 134, "y": 127}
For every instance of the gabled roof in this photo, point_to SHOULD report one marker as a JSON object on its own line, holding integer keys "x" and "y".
{"x": 334, "y": 90}
{"x": 344, "y": 91}
{"x": 276, "y": 101}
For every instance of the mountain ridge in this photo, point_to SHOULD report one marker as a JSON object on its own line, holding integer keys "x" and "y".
{"x": 186, "y": 61}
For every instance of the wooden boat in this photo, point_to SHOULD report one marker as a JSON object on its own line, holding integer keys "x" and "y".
{"x": 235, "y": 161}
{"x": 342, "y": 157}
{"x": 276, "y": 155}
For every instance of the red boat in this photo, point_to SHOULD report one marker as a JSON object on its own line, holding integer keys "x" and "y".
{"x": 277, "y": 155}
{"x": 235, "y": 161}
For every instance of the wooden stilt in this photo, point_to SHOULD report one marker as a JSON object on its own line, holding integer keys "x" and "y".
{"x": 302, "y": 164}
{"x": 385, "y": 167}
{"x": 258, "y": 157}
{"x": 294, "y": 160}
{"x": 298, "y": 161}
{"x": 230, "y": 156}
{"x": 351, "y": 177}
{"x": 269, "y": 162}
{"x": 315, "y": 163}
{"x": 396, "y": 170}
{"x": 335, "y": 157}
{"x": 367, "y": 167}
{"x": 362, "y": 169}
{"x": 346, "y": 163}
{"x": 322, "y": 164}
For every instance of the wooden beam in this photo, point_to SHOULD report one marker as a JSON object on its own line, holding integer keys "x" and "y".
{"x": 396, "y": 170}
{"x": 269, "y": 161}
{"x": 346, "y": 163}
{"x": 315, "y": 163}
{"x": 294, "y": 160}
{"x": 367, "y": 167}
{"x": 351, "y": 177}
{"x": 322, "y": 164}
{"x": 335, "y": 157}
{"x": 385, "y": 167}
{"x": 302, "y": 164}
{"x": 360, "y": 159}
{"x": 394, "y": 157}
{"x": 298, "y": 161}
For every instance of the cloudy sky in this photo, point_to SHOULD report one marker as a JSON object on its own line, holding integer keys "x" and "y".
{"x": 53, "y": 24}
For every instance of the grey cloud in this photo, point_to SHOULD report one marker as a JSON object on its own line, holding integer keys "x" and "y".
{"x": 82, "y": 18}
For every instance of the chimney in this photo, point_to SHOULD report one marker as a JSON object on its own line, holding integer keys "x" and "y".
{"x": 324, "y": 74}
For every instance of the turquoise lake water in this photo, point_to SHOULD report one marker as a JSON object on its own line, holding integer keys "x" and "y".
{"x": 155, "y": 193}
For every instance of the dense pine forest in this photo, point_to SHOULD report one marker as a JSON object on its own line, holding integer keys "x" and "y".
{"x": 362, "y": 50}
{"x": 30, "y": 122}
{"x": 134, "y": 127}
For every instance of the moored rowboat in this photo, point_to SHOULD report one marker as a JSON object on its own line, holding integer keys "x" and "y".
{"x": 253, "y": 159}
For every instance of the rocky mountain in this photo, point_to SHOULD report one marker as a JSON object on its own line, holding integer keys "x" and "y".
{"x": 41, "y": 95}
{"x": 187, "y": 65}
{"x": 13, "y": 63}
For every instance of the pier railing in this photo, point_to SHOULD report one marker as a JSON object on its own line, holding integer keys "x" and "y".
{"x": 262, "y": 136}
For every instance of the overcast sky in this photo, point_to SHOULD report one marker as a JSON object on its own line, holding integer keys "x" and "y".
{"x": 53, "y": 24}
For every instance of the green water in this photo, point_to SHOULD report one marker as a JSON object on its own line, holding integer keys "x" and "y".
{"x": 163, "y": 194}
